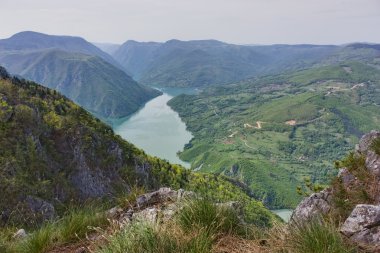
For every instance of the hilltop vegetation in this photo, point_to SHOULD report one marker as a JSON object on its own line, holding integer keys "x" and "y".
{"x": 55, "y": 155}
{"x": 275, "y": 131}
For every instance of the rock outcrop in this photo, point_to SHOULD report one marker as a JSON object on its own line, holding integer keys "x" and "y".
{"x": 317, "y": 204}
{"x": 363, "y": 224}
{"x": 157, "y": 206}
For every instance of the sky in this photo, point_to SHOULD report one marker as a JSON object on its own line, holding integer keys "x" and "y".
{"x": 233, "y": 21}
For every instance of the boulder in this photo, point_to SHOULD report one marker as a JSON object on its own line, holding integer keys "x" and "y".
{"x": 315, "y": 205}
{"x": 162, "y": 195}
{"x": 40, "y": 208}
{"x": 148, "y": 215}
{"x": 20, "y": 234}
{"x": 346, "y": 177}
{"x": 366, "y": 142}
{"x": 363, "y": 225}
{"x": 372, "y": 163}
{"x": 372, "y": 159}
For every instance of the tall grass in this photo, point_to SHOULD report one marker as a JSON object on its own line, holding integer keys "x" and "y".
{"x": 316, "y": 236}
{"x": 72, "y": 227}
{"x": 149, "y": 238}
{"x": 204, "y": 214}
{"x": 198, "y": 225}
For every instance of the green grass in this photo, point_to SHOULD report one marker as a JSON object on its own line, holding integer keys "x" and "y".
{"x": 71, "y": 228}
{"x": 147, "y": 238}
{"x": 196, "y": 228}
{"x": 203, "y": 214}
{"x": 317, "y": 237}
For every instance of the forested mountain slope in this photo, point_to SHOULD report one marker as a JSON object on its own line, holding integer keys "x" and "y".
{"x": 54, "y": 155}
{"x": 88, "y": 80}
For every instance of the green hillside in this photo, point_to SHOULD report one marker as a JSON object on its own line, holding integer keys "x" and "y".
{"x": 88, "y": 80}
{"x": 275, "y": 131}
{"x": 54, "y": 155}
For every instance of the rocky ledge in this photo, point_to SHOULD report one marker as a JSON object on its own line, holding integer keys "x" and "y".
{"x": 363, "y": 223}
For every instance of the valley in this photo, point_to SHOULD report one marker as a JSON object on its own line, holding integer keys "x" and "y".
{"x": 156, "y": 128}
{"x": 274, "y": 132}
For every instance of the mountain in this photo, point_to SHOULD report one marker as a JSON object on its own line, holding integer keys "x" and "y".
{"x": 136, "y": 56}
{"x": 30, "y": 41}
{"x": 210, "y": 62}
{"x": 202, "y": 63}
{"x": 90, "y": 81}
{"x": 276, "y": 131}
{"x": 56, "y": 155}
{"x": 109, "y": 48}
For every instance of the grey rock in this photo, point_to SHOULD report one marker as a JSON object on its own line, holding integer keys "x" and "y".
{"x": 162, "y": 195}
{"x": 20, "y": 234}
{"x": 315, "y": 205}
{"x": 346, "y": 177}
{"x": 40, "y": 207}
{"x": 372, "y": 163}
{"x": 149, "y": 215}
{"x": 363, "y": 225}
{"x": 114, "y": 212}
{"x": 366, "y": 141}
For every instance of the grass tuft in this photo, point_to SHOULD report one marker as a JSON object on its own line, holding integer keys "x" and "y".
{"x": 71, "y": 228}
{"x": 317, "y": 237}
{"x": 198, "y": 214}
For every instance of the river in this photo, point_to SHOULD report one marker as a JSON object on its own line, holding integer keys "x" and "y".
{"x": 156, "y": 128}
{"x": 284, "y": 214}
{"x": 159, "y": 131}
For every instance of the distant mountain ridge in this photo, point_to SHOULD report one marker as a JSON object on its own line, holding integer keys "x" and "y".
{"x": 78, "y": 69}
{"x": 29, "y": 40}
{"x": 210, "y": 62}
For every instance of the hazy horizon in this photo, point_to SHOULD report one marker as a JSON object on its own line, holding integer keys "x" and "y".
{"x": 259, "y": 22}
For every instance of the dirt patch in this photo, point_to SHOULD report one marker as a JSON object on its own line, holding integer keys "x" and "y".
{"x": 233, "y": 134}
{"x": 228, "y": 142}
{"x": 347, "y": 69}
{"x": 259, "y": 124}
{"x": 234, "y": 245}
{"x": 291, "y": 122}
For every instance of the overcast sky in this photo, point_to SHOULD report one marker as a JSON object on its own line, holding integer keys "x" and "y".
{"x": 234, "y": 21}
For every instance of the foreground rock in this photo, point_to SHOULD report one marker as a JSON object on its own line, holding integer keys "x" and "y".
{"x": 153, "y": 207}
{"x": 315, "y": 205}
{"x": 363, "y": 225}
